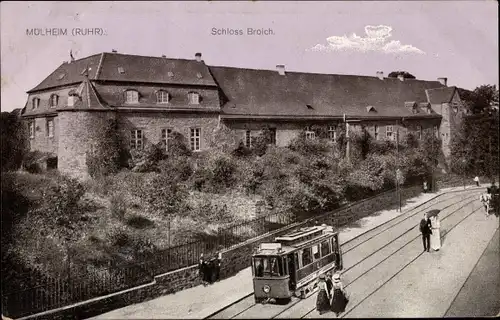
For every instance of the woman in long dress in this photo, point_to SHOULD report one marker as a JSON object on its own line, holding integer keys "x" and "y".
{"x": 323, "y": 299}
{"x": 436, "y": 234}
{"x": 339, "y": 297}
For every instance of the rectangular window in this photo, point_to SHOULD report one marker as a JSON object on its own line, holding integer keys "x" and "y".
{"x": 132, "y": 96}
{"x": 194, "y": 98}
{"x": 325, "y": 248}
{"x": 389, "y": 132}
{"x": 436, "y": 131}
{"x": 195, "y": 139}
{"x": 36, "y": 103}
{"x": 310, "y": 134}
{"x": 50, "y": 128}
{"x": 377, "y": 131}
{"x": 315, "y": 252}
{"x": 136, "y": 139}
{"x": 273, "y": 136}
{"x": 31, "y": 128}
{"x": 419, "y": 132}
{"x": 162, "y": 97}
{"x": 248, "y": 139}
{"x": 306, "y": 257}
{"x": 54, "y": 100}
{"x": 166, "y": 137}
{"x": 332, "y": 133}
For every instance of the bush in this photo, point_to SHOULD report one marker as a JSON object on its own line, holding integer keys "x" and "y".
{"x": 118, "y": 206}
{"x": 33, "y": 161}
{"x": 107, "y": 155}
{"x": 164, "y": 195}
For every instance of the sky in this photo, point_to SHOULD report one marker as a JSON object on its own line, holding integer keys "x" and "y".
{"x": 430, "y": 39}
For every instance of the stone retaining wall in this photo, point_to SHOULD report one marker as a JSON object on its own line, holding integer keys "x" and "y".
{"x": 234, "y": 260}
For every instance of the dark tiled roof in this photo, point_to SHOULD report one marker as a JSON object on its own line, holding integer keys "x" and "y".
{"x": 70, "y": 73}
{"x": 440, "y": 95}
{"x": 154, "y": 70}
{"x": 105, "y": 66}
{"x": 266, "y": 93}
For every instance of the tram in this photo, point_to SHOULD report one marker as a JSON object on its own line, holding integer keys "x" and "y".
{"x": 290, "y": 266}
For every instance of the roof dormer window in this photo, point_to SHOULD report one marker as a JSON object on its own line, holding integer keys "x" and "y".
{"x": 370, "y": 108}
{"x": 35, "y": 103}
{"x": 198, "y": 75}
{"x": 61, "y": 76}
{"x": 54, "y": 99}
{"x": 170, "y": 74}
{"x": 194, "y": 98}
{"x": 121, "y": 70}
{"x": 131, "y": 96}
{"x": 162, "y": 96}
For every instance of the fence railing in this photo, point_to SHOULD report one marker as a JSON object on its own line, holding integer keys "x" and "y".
{"x": 49, "y": 293}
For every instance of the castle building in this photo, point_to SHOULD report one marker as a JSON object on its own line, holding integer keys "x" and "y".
{"x": 152, "y": 97}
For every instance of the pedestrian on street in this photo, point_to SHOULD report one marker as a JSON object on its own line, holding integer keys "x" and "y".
{"x": 339, "y": 296}
{"x": 425, "y": 186}
{"x": 329, "y": 282}
{"x": 436, "y": 234}
{"x": 323, "y": 299}
{"x": 202, "y": 267}
{"x": 486, "y": 200}
{"x": 476, "y": 180}
{"x": 426, "y": 230}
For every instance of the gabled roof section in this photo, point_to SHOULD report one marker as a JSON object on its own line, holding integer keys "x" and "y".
{"x": 87, "y": 97}
{"x": 132, "y": 68}
{"x": 440, "y": 95}
{"x": 261, "y": 93}
{"x": 69, "y": 73}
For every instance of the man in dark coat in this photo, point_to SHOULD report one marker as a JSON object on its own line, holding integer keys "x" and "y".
{"x": 426, "y": 230}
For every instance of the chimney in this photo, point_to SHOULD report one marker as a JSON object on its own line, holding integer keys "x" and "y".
{"x": 380, "y": 75}
{"x": 198, "y": 56}
{"x": 281, "y": 69}
{"x": 401, "y": 77}
{"x": 114, "y": 51}
{"x": 443, "y": 81}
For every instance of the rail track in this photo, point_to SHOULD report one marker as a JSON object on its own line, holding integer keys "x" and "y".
{"x": 360, "y": 258}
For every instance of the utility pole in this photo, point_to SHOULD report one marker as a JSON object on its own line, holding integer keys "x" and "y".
{"x": 398, "y": 171}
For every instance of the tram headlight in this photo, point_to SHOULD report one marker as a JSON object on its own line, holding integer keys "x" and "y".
{"x": 266, "y": 288}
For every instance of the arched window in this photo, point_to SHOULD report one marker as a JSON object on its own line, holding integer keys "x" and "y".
{"x": 194, "y": 98}
{"x": 54, "y": 99}
{"x": 35, "y": 103}
{"x": 131, "y": 96}
{"x": 162, "y": 97}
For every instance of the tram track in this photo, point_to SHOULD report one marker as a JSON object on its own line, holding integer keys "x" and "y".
{"x": 248, "y": 303}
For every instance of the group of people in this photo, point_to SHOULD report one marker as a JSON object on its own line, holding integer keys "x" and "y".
{"x": 431, "y": 234}
{"x": 210, "y": 269}
{"x": 331, "y": 294}
{"x": 490, "y": 199}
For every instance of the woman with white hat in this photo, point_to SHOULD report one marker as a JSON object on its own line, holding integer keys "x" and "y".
{"x": 323, "y": 299}
{"x": 339, "y": 297}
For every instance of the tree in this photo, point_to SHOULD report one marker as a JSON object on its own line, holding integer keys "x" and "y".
{"x": 405, "y": 74}
{"x": 13, "y": 141}
{"x": 482, "y": 99}
{"x": 107, "y": 156}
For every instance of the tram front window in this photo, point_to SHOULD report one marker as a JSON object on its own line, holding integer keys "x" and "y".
{"x": 268, "y": 266}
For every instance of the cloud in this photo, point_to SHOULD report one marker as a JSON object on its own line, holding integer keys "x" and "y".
{"x": 377, "y": 38}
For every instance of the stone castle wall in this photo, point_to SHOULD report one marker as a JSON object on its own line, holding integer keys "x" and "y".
{"x": 77, "y": 134}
